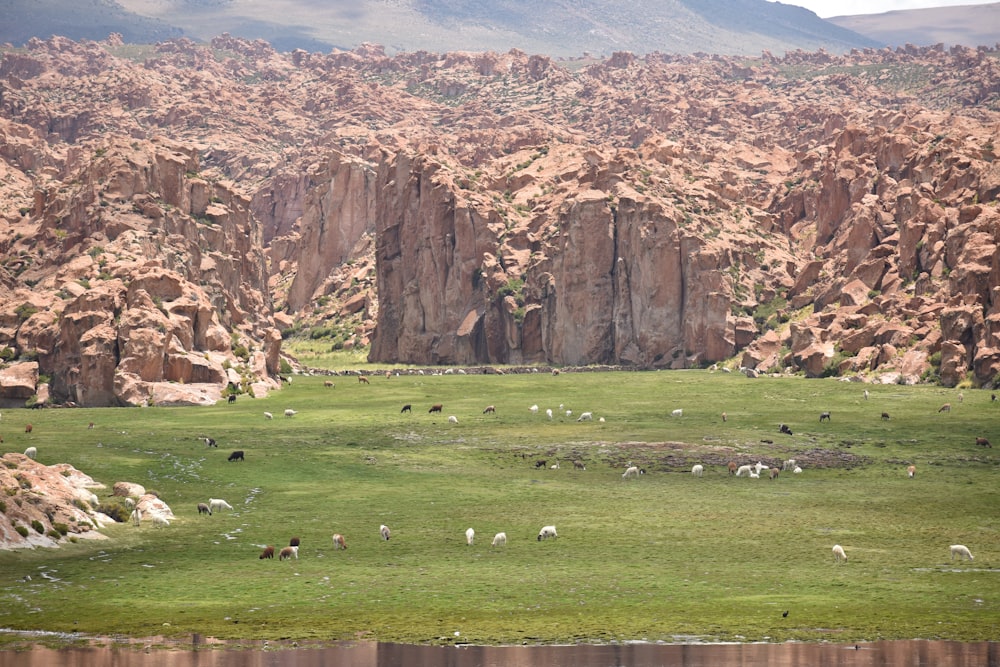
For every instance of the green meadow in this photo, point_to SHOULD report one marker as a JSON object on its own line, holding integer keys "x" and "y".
{"x": 663, "y": 557}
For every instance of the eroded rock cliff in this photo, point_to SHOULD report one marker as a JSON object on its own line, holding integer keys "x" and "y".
{"x": 812, "y": 212}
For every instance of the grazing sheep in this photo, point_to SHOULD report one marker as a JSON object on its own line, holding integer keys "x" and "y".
{"x": 291, "y": 413}
{"x": 569, "y": 413}
{"x": 773, "y": 473}
{"x": 885, "y": 416}
{"x": 436, "y": 408}
{"x": 961, "y": 551}
{"x": 541, "y": 463}
{"x": 759, "y": 466}
{"x": 383, "y": 530}
{"x": 677, "y": 413}
{"x": 579, "y": 465}
{"x": 231, "y": 399}
{"x": 697, "y": 470}
{"x": 338, "y": 542}
{"x": 866, "y": 394}
{"x": 159, "y": 520}
{"x": 288, "y": 552}
{"x": 754, "y": 474}
{"x": 28, "y": 428}
{"x": 209, "y": 442}
{"x": 294, "y": 542}
{"x": 911, "y": 471}
{"x": 797, "y": 470}
{"x": 268, "y": 552}
{"x": 838, "y": 553}
{"x": 783, "y": 428}
{"x": 90, "y": 425}
{"x": 961, "y": 397}
{"x": 328, "y": 384}
{"x": 363, "y": 380}
{"x": 548, "y": 413}
{"x": 824, "y": 416}
{"x": 788, "y": 465}
{"x": 982, "y": 442}
{"x": 732, "y": 467}
{"x": 31, "y": 453}
{"x": 725, "y": 417}
{"x": 268, "y": 415}
{"x": 633, "y": 471}
{"x": 236, "y": 456}
{"x": 470, "y": 535}
{"x": 585, "y": 416}
{"x": 136, "y": 516}
{"x": 453, "y": 419}
{"x": 546, "y": 532}
{"x": 490, "y": 410}
{"x": 945, "y": 408}
{"x": 744, "y": 469}
{"x": 203, "y": 508}
{"x": 406, "y": 408}
{"x": 218, "y": 504}
{"x": 534, "y": 409}
{"x": 500, "y": 540}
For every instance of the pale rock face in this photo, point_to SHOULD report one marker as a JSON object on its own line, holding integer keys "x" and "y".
{"x": 18, "y": 383}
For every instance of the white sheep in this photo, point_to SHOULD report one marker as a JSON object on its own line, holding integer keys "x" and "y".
{"x": 136, "y": 516}
{"x": 796, "y": 470}
{"x": 160, "y": 521}
{"x": 453, "y": 419}
{"x": 697, "y": 470}
{"x": 268, "y": 415}
{"x": 546, "y": 532}
{"x": 534, "y": 409}
{"x": 383, "y": 531}
{"x": 677, "y": 413}
{"x": 759, "y": 466}
{"x": 788, "y": 465}
{"x": 569, "y": 413}
{"x": 218, "y": 504}
{"x": 744, "y": 469}
{"x": 754, "y": 475}
{"x": 500, "y": 540}
{"x": 470, "y": 535}
{"x": 866, "y": 394}
{"x": 632, "y": 471}
{"x": 585, "y": 416}
{"x": 291, "y": 413}
{"x": 548, "y": 413}
{"x": 31, "y": 453}
{"x": 961, "y": 551}
{"x": 838, "y": 553}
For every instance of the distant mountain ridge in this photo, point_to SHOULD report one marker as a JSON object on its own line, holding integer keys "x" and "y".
{"x": 968, "y": 25}
{"x": 558, "y": 28}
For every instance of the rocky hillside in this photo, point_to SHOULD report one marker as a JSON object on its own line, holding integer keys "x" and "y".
{"x": 813, "y": 213}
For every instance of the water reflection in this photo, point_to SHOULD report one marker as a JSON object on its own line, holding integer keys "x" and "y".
{"x": 898, "y": 653}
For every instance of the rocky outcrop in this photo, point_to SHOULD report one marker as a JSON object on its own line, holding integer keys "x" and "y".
{"x": 812, "y": 213}
{"x": 42, "y": 505}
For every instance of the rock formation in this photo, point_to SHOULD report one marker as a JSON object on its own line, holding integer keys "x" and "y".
{"x": 820, "y": 213}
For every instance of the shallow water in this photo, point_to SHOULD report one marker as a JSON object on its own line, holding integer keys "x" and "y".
{"x": 198, "y": 653}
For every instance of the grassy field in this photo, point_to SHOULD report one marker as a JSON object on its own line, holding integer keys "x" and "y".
{"x": 666, "y": 556}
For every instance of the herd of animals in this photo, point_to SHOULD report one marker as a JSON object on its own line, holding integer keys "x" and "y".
{"x": 500, "y": 539}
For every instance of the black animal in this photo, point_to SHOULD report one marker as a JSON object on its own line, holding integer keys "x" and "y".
{"x": 237, "y": 455}
{"x": 885, "y": 416}
{"x": 406, "y": 408}
{"x": 824, "y": 416}
{"x": 294, "y": 542}
{"x": 540, "y": 463}
{"x": 232, "y": 398}
{"x": 784, "y": 429}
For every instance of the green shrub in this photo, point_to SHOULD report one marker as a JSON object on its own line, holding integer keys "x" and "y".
{"x": 21, "y": 530}
{"x": 60, "y": 528}
{"x": 38, "y": 526}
